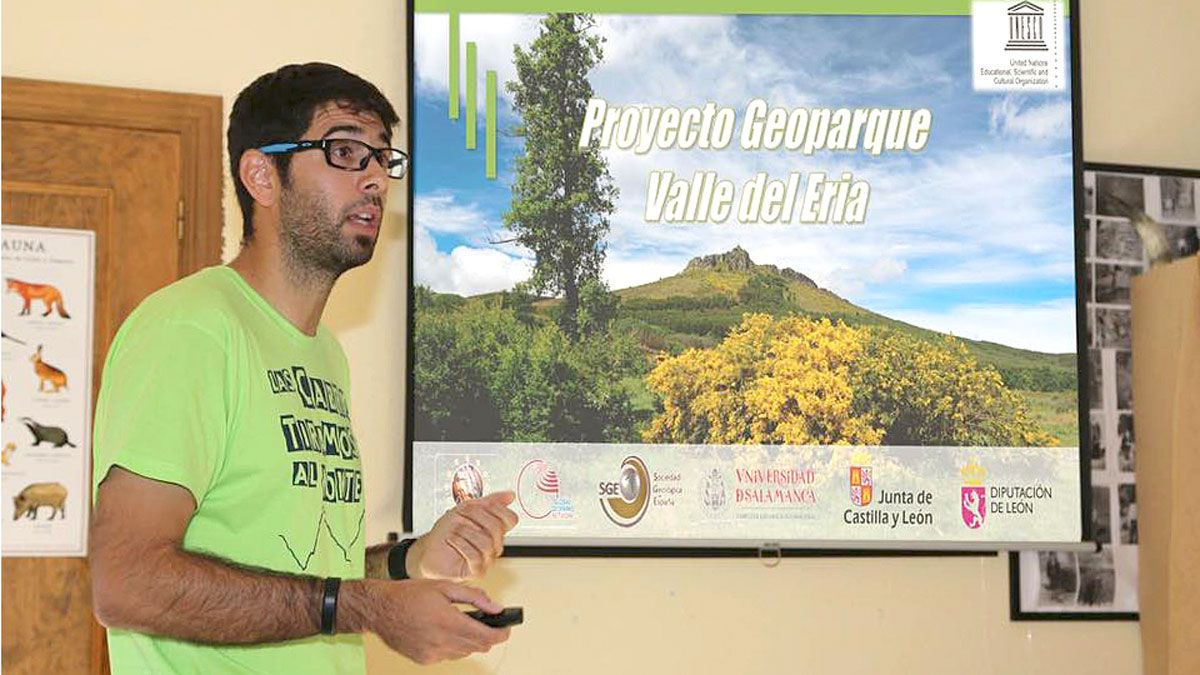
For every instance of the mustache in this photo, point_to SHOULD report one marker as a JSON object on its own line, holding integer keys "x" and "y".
{"x": 375, "y": 201}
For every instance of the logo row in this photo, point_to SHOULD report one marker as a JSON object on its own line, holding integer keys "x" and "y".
{"x": 540, "y": 494}
{"x": 625, "y": 497}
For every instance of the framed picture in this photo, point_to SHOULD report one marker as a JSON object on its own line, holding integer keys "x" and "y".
{"x": 1102, "y": 584}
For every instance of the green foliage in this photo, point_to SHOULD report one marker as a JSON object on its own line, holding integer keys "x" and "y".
{"x": 424, "y": 298}
{"x": 597, "y": 308}
{"x": 520, "y": 302}
{"x": 1039, "y": 378}
{"x": 764, "y": 292}
{"x": 455, "y": 396}
{"x": 1055, "y": 411}
{"x": 676, "y": 302}
{"x": 562, "y": 195}
{"x": 483, "y": 374}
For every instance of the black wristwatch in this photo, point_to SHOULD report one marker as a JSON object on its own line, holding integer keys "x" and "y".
{"x": 397, "y": 569}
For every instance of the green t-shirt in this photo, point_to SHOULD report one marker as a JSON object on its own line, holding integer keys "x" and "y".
{"x": 209, "y": 387}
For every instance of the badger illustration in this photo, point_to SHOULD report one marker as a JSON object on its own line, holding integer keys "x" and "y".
{"x": 37, "y": 495}
{"x": 55, "y": 436}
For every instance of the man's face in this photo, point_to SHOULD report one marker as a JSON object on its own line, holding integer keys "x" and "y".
{"x": 330, "y": 217}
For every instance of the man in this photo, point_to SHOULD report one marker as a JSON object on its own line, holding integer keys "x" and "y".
{"x": 228, "y": 526}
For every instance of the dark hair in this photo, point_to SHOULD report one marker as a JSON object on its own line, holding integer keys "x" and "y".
{"x": 279, "y": 106}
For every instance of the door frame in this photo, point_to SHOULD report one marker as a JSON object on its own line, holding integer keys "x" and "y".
{"x": 197, "y": 119}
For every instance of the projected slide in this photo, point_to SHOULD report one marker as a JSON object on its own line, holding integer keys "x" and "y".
{"x": 803, "y": 274}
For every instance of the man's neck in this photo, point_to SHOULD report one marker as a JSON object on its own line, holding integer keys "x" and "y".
{"x": 300, "y": 297}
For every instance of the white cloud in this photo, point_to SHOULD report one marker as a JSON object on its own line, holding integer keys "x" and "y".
{"x": 849, "y": 282}
{"x": 672, "y": 53}
{"x": 1015, "y": 117}
{"x": 467, "y": 269}
{"x": 628, "y": 272}
{"x": 990, "y": 269}
{"x": 1045, "y": 327}
{"x": 494, "y": 36}
{"x": 987, "y": 214}
{"x": 440, "y": 213}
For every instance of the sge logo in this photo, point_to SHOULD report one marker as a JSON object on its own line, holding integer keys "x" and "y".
{"x": 625, "y": 500}
{"x": 610, "y": 489}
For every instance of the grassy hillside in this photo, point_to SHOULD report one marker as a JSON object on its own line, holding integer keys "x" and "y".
{"x": 697, "y": 307}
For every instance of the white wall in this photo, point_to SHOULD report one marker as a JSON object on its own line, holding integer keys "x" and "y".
{"x": 926, "y": 615}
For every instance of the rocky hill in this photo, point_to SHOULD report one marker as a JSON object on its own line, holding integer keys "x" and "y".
{"x": 738, "y": 260}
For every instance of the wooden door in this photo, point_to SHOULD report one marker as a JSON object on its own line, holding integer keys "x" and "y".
{"x": 143, "y": 171}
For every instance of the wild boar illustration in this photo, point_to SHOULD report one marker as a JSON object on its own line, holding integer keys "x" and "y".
{"x": 37, "y": 495}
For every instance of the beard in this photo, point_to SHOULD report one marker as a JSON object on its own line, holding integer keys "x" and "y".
{"x": 312, "y": 237}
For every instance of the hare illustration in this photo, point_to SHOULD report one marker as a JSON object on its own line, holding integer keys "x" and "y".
{"x": 47, "y": 373}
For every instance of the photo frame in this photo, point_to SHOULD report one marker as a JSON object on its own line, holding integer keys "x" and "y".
{"x": 1102, "y": 584}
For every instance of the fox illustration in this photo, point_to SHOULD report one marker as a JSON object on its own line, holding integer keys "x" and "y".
{"x": 49, "y": 295}
{"x": 47, "y": 373}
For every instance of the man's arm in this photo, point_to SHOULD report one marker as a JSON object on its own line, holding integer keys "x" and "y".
{"x": 143, "y": 580}
{"x": 463, "y": 544}
{"x": 377, "y": 561}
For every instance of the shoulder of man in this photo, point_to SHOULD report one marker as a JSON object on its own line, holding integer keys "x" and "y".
{"x": 205, "y": 301}
{"x": 205, "y": 298}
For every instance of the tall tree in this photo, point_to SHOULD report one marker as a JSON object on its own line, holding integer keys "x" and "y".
{"x": 563, "y": 195}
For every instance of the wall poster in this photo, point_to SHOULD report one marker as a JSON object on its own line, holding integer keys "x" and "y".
{"x": 49, "y": 278}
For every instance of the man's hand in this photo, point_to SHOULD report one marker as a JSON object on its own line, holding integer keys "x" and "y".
{"x": 416, "y": 617}
{"x": 465, "y": 541}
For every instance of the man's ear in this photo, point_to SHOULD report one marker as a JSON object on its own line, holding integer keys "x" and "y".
{"x": 260, "y": 176}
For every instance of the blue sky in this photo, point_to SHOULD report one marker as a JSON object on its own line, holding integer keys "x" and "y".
{"x": 971, "y": 236}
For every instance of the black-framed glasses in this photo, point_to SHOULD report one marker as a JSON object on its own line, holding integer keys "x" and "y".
{"x": 347, "y": 154}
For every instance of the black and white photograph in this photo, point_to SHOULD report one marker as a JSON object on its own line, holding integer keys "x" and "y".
{"x": 1101, "y": 520}
{"x": 1117, "y": 240}
{"x": 1062, "y": 585}
{"x": 1125, "y": 452}
{"x": 1184, "y": 240}
{"x": 1117, "y": 195}
{"x": 1059, "y": 571}
{"x": 1178, "y": 198}
{"x": 1113, "y": 328}
{"x": 1127, "y": 494}
{"x": 1096, "y": 437}
{"x": 1097, "y": 578}
{"x": 1125, "y": 380}
{"x": 1113, "y": 282}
